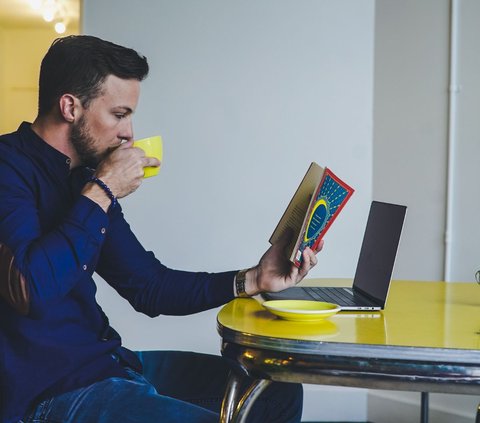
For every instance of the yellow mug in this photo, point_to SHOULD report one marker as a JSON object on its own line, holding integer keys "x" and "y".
{"x": 153, "y": 148}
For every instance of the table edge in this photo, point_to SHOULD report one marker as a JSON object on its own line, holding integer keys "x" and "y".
{"x": 345, "y": 349}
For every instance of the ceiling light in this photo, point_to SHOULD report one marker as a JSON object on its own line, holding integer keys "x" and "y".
{"x": 36, "y": 4}
{"x": 48, "y": 15}
{"x": 53, "y": 11}
{"x": 60, "y": 28}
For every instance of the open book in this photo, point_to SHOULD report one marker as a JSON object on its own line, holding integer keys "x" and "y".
{"x": 312, "y": 210}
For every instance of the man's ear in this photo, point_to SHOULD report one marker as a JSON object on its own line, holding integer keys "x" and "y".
{"x": 69, "y": 107}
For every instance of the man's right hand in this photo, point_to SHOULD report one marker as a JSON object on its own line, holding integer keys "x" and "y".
{"x": 122, "y": 171}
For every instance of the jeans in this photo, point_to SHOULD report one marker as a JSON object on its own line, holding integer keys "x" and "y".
{"x": 176, "y": 387}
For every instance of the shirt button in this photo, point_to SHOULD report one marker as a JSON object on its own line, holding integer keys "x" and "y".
{"x": 103, "y": 230}
{"x": 68, "y": 161}
{"x": 84, "y": 267}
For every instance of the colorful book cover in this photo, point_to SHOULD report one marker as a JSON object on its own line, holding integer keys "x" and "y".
{"x": 330, "y": 197}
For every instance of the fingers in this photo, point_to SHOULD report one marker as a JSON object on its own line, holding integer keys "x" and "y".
{"x": 319, "y": 247}
{"x": 312, "y": 258}
{"x": 309, "y": 261}
{"x": 127, "y": 152}
{"x": 151, "y": 162}
{"x": 122, "y": 170}
{"x": 148, "y": 161}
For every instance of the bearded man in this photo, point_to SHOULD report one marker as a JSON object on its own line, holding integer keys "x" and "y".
{"x": 60, "y": 222}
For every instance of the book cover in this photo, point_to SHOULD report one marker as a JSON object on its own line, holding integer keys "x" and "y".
{"x": 315, "y": 205}
{"x": 330, "y": 197}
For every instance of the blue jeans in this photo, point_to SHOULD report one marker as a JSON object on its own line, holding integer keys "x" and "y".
{"x": 182, "y": 387}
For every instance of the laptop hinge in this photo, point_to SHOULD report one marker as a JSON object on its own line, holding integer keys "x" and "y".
{"x": 371, "y": 298}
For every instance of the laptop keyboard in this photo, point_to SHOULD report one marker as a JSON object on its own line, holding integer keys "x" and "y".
{"x": 335, "y": 295}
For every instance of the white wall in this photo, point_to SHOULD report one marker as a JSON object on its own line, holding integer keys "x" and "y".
{"x": 411, "y": 132}
{"x": 410, "y": 126}
{"x": 411, "y": 91}
{"x": 466, "y": 201}
{"x": 245, "y": 94}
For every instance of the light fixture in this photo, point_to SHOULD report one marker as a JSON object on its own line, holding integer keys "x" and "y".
{"x": 60, "y": 27}
{"x": 53, "y": 11}
{"x": 48, "y": 15}
{"x": 36, "y": 4}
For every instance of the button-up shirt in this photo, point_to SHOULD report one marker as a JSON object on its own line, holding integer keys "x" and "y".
{"x": 54, "y": 337}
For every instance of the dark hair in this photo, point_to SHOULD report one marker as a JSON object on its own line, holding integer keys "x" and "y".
{"x": 79, "y": 64}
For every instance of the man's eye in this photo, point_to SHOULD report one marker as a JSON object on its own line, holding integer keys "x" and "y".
{"x": 119, "y": 115}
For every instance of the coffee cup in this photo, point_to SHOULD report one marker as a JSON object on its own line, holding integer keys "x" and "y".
{"x": 152, "y": 146}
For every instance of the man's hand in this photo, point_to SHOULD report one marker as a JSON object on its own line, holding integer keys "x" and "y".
{"x": 275, "y": 272}
{"x": 122, "y": 171}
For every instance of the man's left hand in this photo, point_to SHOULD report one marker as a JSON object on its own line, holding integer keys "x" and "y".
{"x": 275, "y": 272}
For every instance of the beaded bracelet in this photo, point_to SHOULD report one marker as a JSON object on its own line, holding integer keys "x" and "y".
{"x": 107, "y": 190}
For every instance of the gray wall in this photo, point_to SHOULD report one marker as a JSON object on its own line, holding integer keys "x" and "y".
{"x": 246, "y": 94}
{"x": 465, "y": 233}
{"x": 410, "y": 126}
{"x": 411, "y": 132}
{"x": 410, "y": 150}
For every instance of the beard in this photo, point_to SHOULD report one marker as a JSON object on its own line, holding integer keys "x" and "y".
{"x": 84, "y": 144}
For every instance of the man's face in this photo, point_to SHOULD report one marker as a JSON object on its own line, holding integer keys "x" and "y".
{"x": 107, "y": 121}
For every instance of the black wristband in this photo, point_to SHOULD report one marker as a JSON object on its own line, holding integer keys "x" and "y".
{"x": 107, "y": 190}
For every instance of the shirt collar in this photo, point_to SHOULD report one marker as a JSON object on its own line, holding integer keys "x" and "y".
{"x": 42, "y": 151}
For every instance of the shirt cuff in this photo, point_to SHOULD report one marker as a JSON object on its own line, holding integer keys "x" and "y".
{"x": 90, "y": 216}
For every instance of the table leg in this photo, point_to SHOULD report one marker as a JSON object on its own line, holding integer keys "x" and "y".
{"x": 230, "y": 398}
{"x": 424, "y": 408}
{"x": 235, "y": 406}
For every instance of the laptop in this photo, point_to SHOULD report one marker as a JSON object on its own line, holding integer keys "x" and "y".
{"x": 374, "y": 268}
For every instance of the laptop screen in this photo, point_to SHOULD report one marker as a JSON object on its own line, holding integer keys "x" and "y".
{"x": 379, "y": 249}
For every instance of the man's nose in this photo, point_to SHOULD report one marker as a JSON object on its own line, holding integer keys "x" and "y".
{"x": 127, "y": 130}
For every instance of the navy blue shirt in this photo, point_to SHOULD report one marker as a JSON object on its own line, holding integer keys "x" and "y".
{"x": 54, "y": 337}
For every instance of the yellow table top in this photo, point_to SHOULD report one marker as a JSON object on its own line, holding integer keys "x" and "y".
{"x": 418, "y": 314}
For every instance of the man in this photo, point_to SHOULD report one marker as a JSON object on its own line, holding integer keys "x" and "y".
{"x": 60, "y": 221}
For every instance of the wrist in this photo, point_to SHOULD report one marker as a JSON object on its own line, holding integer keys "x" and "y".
{"x": 99, "y": 192}
{"x": 245, "y": 283}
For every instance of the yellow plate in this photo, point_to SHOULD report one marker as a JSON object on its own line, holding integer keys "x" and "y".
{"x": 301, "y": 310}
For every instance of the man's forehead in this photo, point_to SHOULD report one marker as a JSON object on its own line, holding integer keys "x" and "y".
{"x": 120, "y": 84}
{"x": 121, "y": 93}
